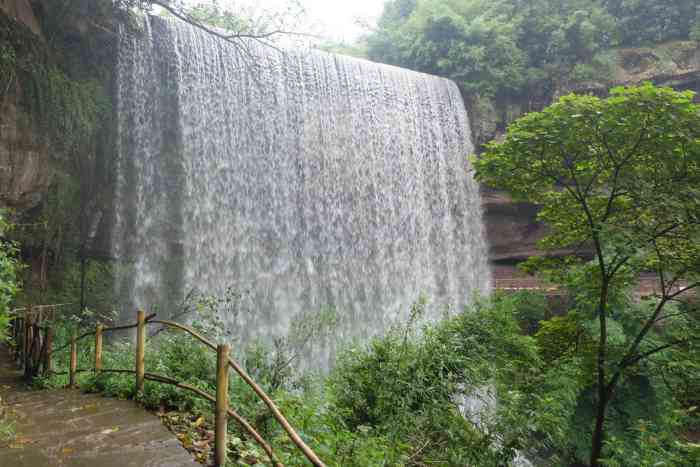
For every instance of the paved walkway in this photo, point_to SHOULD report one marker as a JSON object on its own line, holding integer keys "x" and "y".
{"x": 65, "y": 428}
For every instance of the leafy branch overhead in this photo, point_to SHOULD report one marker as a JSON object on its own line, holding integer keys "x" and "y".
{"x": 233, "y": 22}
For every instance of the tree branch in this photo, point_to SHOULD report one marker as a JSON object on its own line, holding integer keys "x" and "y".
{"x": 234, "y": 37}
{"x": 651, "y": 352}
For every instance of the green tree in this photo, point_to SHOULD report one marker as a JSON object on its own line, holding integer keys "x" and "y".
{"x": 650, "y": 21}
{"x": 522, "y": 47}
{"x": 9, "y": 268}
{"x": 620, "y": 176}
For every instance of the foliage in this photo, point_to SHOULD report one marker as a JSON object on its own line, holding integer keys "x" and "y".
{"x": 522, "y": 47}
{"x": 619, "y": 176}
{"x": 652, "y": 21}
{"x": 8, "y": 60}
{"x": 7, "y": 431}
{"x": 71, "y": 110}
{"x": 9, "y": 271}
{"x": 417, "y": 390}
{"x": 473, "y": 389}
{"x": 652, "y": 447}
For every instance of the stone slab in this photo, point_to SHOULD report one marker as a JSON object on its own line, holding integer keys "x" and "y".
{"x": 66, "y": 428}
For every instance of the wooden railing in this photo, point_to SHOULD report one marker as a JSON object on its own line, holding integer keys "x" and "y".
{"x": 523, "y": 283}
{"x": 33, "y": 336}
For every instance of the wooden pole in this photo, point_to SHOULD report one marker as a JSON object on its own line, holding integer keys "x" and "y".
{"x": 40, "y": 342}
{"x": 293, "y": 435}
{"x": 140, "y": 351}
{"x": 29, "y": 340}
{"x": 15, "y": 334}
{"x": 35, "y": 357}
{"x": 19, "y": 339}
{"x": 73, "y": 358}
{"x": 98, "y": 348}
{"x": 25, "y": 337}
{"x": 47, "y": 354}
{"x": 221, "y": 425}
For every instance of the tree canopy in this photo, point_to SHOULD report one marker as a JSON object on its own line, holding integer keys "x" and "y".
{"x": 620, "y": 176}
{"x": 512, "y": 46}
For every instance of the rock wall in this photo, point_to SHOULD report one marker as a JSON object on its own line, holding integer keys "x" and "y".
{"x": 25, "y": 161}
{"x": 21, "y": 11}
{"x": 25, "y": 157}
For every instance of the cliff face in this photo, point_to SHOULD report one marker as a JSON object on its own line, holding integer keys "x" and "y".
{"x": 512, "y": 228}
{"x": 25, "y": 155}
{"x": 21, "y": 11}
{"x": 25, "y": 158}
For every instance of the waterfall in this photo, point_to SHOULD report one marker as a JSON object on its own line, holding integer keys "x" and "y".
{"x": 306, "y": 179}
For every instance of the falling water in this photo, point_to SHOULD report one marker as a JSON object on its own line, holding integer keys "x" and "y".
{"x": 306, "y": 179}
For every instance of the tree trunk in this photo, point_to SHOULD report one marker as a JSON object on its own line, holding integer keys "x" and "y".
{"x": 603, "y": 394}
{"x": 599, "y": 432}
{"x": 82, "y": 280}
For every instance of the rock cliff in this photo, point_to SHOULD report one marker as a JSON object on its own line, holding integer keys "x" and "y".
{"x": 25, "y": 155}
{"x": 21, "y": 12}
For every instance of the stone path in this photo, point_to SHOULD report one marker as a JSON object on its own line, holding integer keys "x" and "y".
{"x": 65, "y": 428}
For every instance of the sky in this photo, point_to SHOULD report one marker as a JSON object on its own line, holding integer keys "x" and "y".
{"x": 337, "y": 18}
{"x": 330, "y": 19}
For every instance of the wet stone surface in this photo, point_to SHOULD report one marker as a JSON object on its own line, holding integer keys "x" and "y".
{"x": 64, "y": 427}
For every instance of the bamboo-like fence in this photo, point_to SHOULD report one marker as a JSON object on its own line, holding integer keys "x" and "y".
{"x": 33, "y": 334}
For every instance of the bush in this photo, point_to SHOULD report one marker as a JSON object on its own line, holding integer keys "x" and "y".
{"x": 473, "y": 389}
{"x": 9, "y": 269}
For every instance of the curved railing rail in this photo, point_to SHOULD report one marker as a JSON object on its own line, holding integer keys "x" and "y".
{"x": 33, "y": 350}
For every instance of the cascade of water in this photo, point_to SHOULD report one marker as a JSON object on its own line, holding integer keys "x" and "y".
{"x": 307, "y": 179}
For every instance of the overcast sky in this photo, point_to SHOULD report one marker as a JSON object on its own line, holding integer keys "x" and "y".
{"x": 334, "y": 19}
{"x": 337, "y": 18}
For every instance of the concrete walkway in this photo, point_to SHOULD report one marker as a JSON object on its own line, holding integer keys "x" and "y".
{"x": 63, "y": 427}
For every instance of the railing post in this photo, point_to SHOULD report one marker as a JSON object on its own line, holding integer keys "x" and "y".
{"x": 19, "y": 340}
{"x": 140, "y": 351}
{"x": 15, "y": 334}
{"x": 47, "y": 354}
{"x": 221, "y": 425}
{"x": 73, "y": 358}
{"x": 98, "y": 348}
{"x": 35, "y": 357}
{"x": 40, "y": 342}
{"x": 29, "y": 340}
{"x": 25, "y": 336}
